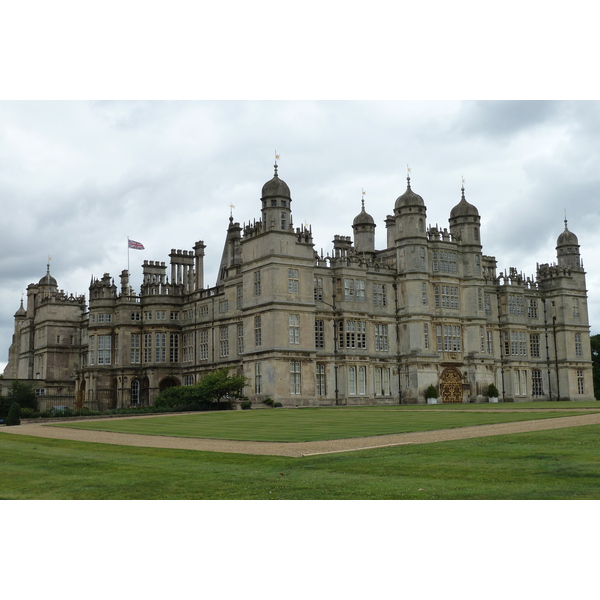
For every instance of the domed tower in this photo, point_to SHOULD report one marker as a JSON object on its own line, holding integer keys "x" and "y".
{"x": 364, "y": 231}
{"x": 567, "y": 249}
{"x": 276, "y": 204}
{"x": 47, "y": 282}
{"x": 411, "y": 214}
{"x": 465, "y": 222}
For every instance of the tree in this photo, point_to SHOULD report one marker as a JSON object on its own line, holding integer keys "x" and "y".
{"x": 210, "y": 390}
{"x": 595, "y": 344}
{"x": 219, "y": 384}
{"x": 23, "y": 394}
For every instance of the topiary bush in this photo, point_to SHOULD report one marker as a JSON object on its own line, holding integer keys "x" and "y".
{"x": 431, "y": 392}
{"x": 277, "y": 405}
{"x": 493, "y": 391}
{"x": 14, "y": 415}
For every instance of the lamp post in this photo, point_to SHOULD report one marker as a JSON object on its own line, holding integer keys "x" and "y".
{"x": 547, "y": 349}
{"x": 333, "y": 306}
{"x": 501, "y": 344}
{"x": 556, "y": 358}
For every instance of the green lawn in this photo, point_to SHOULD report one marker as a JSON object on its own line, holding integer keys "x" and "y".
{"x": 308, "y": 424}
{"x": 593, "y": 404}
{"x": 557, "y": 464}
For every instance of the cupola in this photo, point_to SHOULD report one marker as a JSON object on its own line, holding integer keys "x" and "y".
{"x": 567, "y": 249}
{"x": 276, "y": 204}
{"x": 364, "y": 230}
{"x": 408, "y": 199}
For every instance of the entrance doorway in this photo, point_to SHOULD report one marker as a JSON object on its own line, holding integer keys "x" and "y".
{"x": 451, "y": 388}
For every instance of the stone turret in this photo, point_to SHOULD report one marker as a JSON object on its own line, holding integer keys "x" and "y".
{"x": 276, "y": 204}
{"x": 567, "y": 249}
{"x": 465, "y": 222}
{"x": 411, "y": 214}
{"x": 364, "y": 231}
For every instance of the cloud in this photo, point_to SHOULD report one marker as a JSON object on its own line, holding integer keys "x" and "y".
{"x": 505, "y": 119}
{"x": 77, "y": 178}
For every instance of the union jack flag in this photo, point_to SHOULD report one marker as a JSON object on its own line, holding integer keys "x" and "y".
{"x": 135, "y": 245}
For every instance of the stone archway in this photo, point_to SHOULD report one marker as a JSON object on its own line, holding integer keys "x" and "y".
{"x": 167, "y": 382}
{"x": 80, "y": 395}
{"x": 451, "y": 388}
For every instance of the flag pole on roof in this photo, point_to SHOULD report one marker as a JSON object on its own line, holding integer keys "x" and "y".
{"x": 135, "y": 245}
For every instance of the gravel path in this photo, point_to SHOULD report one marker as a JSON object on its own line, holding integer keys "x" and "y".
{"x": 298, "y": 449}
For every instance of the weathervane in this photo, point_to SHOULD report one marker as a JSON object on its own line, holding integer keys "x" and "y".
{"x": 231, "y": 207}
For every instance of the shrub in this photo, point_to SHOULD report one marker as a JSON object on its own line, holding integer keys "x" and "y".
{"x": 492, "y": 391}
{"x": 431, "y": 392}
{"x": 213, "y": 392}
{"x": 246, "y": 404}
{"x": 5, "y": 402}
{"x": 29, "y": 413}
{"x": 14, "y": 415}
{"x": 61, "y": 411}
{"x": 268, "y": 401}
{"x": 277, "y": 405}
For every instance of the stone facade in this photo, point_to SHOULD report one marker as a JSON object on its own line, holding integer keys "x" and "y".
{"x": 357, "y": 326}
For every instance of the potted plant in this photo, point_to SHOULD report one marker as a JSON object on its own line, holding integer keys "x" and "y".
{"x": 493, "y": 393}
{"x": 431, "y": 395}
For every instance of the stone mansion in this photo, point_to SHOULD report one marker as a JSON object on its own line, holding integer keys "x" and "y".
{"x": 356, "y": 326}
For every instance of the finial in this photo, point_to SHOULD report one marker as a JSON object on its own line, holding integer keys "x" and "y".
{"x": 276, "y": 159}
{"x": 363, "y": 200}
{"x": 408, "y": 176}
{"x": 566, "y": 220}
{"x": 462, "y": 189}
{"x": 231, "y": 207}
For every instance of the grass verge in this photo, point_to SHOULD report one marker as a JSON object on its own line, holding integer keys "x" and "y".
{"x": 311, "y": 424}
{"x": 557, "y": 464}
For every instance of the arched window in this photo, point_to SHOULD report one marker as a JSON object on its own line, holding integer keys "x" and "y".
{"x": 135, "y": 392}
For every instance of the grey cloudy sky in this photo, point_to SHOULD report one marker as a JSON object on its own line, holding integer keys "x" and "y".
{"x": 77, "y": 178}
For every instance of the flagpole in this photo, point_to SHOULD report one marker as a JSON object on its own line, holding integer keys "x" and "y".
{"x": 127, "y": 255}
